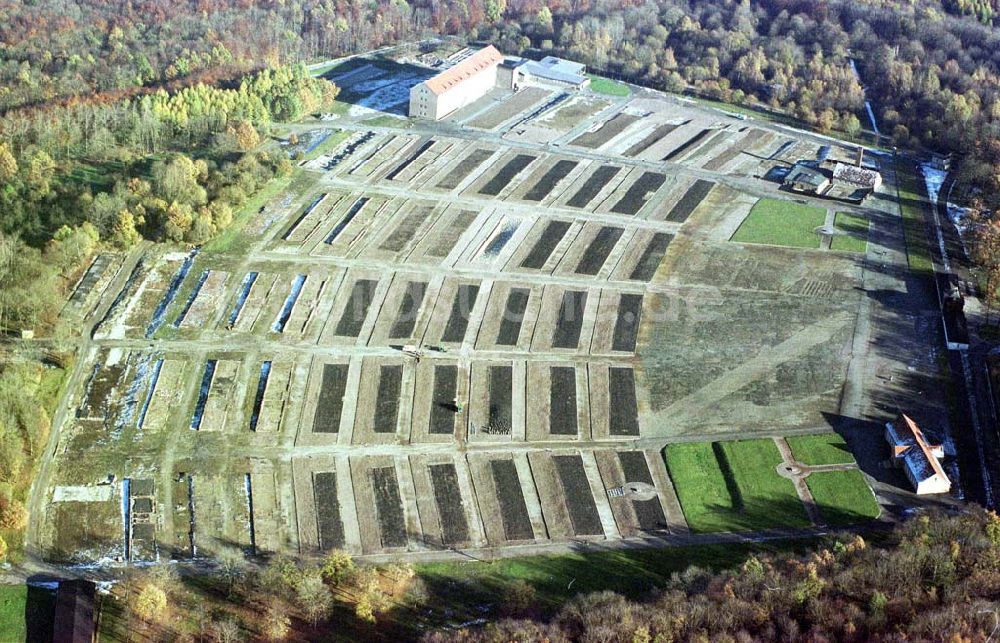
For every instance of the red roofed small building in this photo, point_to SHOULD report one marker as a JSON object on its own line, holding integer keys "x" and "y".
{"x": 918, "y": 459}
{"x": 457, "y": 86}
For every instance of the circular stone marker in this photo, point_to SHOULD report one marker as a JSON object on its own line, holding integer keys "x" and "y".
{"x": 789, "y": 471}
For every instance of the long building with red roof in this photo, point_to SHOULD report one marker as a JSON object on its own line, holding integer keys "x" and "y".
{"x": 919, "y": 459}
{"x": 457, "y": 86}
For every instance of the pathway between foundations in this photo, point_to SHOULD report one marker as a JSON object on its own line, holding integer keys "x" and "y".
{"x": 797, "y": 473}
{"x": 791, "y": 470}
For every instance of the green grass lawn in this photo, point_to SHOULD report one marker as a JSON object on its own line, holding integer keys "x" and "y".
{"x": 843, "y": 497}
{"x": 340, "y": 66}
{"x": 98, "y": 176}
{"x": 384, "y": 120}
{"x": 782, "y": 223}
{"x": 768, "y": 499}
{"x": 855, "y": 229}
{"x": 25, "y": 612}
{"x": 340, "y": 107}
{"x": 823, "y": 448}
{"x": 731, "y": 486}
{"x": 13, "y": 598}
{"x": 701, "y": 486}
{"x": 325, "y": 69}
{"x": 601, "y": 85}
{"x": 911, "y": 203}
{"x": 629, "y": 572}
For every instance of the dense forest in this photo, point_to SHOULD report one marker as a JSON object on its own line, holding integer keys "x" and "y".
{"x": 931, "y": 67}
{"x": 165, "y": 166}
{"x": 60, "y": 49}
{"x": 983, "y": 10}
{"x": 935, "y": 580}
{"x": 933, "y": 78}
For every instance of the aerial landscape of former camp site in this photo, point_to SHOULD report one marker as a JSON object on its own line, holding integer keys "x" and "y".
{"x": 560, "y": 311}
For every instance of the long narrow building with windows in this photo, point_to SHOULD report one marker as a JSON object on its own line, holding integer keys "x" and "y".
{"x": 457, "y": 86}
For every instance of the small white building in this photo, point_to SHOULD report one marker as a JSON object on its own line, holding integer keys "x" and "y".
{"x": 854, "y": 182}
{"x": 551, "y": 71}
{"x": 457, "y": 86}
{"x": 918, "y": 459}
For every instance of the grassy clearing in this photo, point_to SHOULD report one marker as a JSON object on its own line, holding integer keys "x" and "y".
{"x": 760, "y": 112}
{"x": 629, "y": 572}
{"x": 233, "y": 239}
{"x": 855, "y": 229}
{"x": 340, "y": 107}
{"x": 13, "y": 599}
{"x": 608, "y": 87}
{"x": 843, "y": 497}
{"x": 335, "y": 138}
{"x": 320, "y": 72}
{"x": 384, "y": 120}
{"x": 823, "y": 448}
{"x": 25, "y": 613}
{"x": 50, "y": 386}
{"x": 98, "y": 176}
{"x": 911, "y": 205}
{"x": 781, "y": 223}
{"x": 340, "y": 66}
{"x": 732, "y": 486}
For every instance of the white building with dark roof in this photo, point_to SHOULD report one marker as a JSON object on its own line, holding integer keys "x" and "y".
{"x": 920, "y": 461}
{"x": 853, "y": 182}
{"x": 457, "y": 86}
